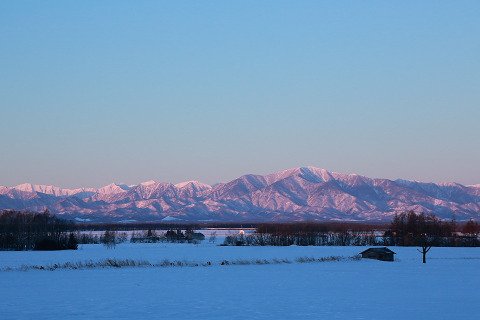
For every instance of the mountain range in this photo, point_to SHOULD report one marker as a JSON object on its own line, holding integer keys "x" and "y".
{"x": 297, "y": 194}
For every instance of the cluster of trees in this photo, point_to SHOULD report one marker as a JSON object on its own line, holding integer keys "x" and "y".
{"x": 317, "y": 227}
{"x": 35, "y": 231}
{"x": 406, "y": 229}
{"x": 314, "y": 238}
{"x": 471, "y": 229}
{"x": 151, "y": 236}
{"x": 107, "y": 238}
{"x": 88, "y": 238}
{"x": 110, "y": 238}
{"x": 308, "y": 234}
{"x": 188, "y": 236}
{"x": 412, "y": 229}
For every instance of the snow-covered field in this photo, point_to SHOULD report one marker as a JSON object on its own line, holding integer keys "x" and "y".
{"x": 445, "y": 288}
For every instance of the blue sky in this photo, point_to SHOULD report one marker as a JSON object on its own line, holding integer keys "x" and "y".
{"x": 99, "y": 91}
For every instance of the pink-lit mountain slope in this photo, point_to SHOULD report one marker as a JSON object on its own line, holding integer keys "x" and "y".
{"x": 305, "y": 193}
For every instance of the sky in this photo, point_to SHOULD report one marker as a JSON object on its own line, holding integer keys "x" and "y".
{"x": 93, "y": 92}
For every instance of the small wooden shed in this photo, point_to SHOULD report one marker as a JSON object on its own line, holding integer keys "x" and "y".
{"x": 382, "y": 254}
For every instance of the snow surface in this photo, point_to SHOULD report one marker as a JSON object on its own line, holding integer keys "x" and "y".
{"x": 168, "y": 218}
{"x": 444, "y": 288}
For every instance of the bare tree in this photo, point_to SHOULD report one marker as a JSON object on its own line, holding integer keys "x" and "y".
{"x": 426, "y": 243}
{"x": 471, "y": 228}
{"x": 109, "y": 239}
{"x": 213, "y": 237}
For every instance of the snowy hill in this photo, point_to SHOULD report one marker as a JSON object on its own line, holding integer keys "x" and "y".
{"x": 303, "y": 193}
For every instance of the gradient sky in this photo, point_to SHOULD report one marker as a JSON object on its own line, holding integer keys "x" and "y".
{"x": 98, "y": 91}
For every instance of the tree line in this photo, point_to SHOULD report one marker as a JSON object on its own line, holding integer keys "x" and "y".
{"x": 110, "y": 238}
{"x": 43, "y": 231}
{"x": 406, "y": 229}
{"x": 35, "y": 231}
{"x": 172, "y": 235}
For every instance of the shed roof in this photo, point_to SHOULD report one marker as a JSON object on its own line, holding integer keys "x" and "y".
{"x": 378, "y": 250}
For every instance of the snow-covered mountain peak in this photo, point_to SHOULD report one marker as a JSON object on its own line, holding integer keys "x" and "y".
{"x": 351, "y": 178}
{"x": 321, "y": 173}
{"x": 47, "y": 189}
{"x": 293, "y": 194}
{"x": 280, "y": 175}
{"x": 148, "y": 183}
{"x": 309, "y": 173}
{"x": 192, "y": 189}
{"x": 113, "y": 188}
{"x": 448, "y": 184}
{"x": 193, "y": 183}
{"x": 25, "y": 187}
